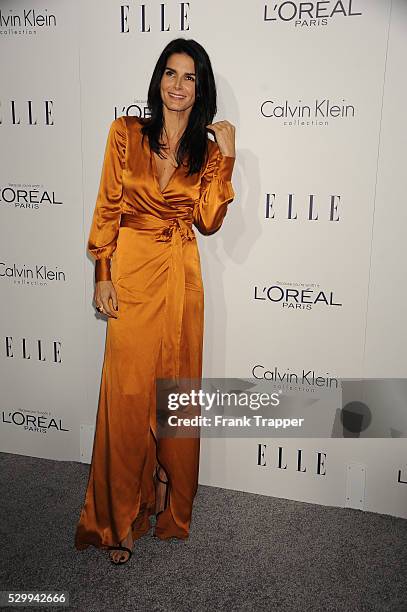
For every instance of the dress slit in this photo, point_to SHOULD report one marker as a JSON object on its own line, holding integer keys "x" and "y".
{"x": 160, "y": 476}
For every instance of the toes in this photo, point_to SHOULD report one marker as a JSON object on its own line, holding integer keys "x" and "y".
{"x": 118, "y": 556}
{"x": 115, "y": 556}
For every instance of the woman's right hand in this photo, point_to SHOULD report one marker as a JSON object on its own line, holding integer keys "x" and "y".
{"x": 105, "y": 293}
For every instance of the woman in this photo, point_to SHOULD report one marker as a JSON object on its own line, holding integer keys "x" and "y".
{"x": 160, "y": 176}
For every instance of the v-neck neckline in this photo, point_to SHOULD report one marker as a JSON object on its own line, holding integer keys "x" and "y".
{"x": 155, "y": 173}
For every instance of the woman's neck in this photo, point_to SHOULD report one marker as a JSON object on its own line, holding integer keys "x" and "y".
{"x": 174, "y": 123}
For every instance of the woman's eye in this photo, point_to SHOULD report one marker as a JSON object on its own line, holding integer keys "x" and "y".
{"x": 168, "y": 72}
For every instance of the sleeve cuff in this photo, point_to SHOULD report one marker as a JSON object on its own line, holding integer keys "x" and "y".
{"x": 225, "y": 167}
{"x": 102, "y": 269}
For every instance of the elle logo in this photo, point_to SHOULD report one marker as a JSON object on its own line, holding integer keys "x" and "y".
{"x": 400, "y": 478}
{"x": 310, "y": 207}
{"x": 38, "y": 352}
{"x": 26, "y": 114}
{"x": 147, "y": 19}
{"x": 264, "y": 458}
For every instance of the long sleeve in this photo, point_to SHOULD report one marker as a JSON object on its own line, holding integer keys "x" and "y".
{"x": 215, "y": 194}
{"x": 106, "y": 217}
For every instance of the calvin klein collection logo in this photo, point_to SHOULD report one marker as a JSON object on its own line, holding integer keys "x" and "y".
{"x": 38, "y": 421}
{"x": 307, "y": 378}
{"x": 308, "y": 207}
{"x": 38, "y": 275}
{"x": 159, "y": 18}
{"x": 30, "y": 197}
{"x": 34, "y": 350}
{"x": 306, "y": 297}
{"x": 317, "y": 113}
{"x": 309, "y": 14}
{"x": 25, "y": 21}
{"x": 23, "y": 113}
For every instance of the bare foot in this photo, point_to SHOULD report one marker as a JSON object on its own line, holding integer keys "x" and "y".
{"x": 120, "y": 556}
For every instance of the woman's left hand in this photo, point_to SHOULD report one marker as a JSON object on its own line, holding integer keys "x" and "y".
{"x": 224, "y": 133}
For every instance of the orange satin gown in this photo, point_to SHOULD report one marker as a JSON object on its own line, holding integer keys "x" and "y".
{"x": 142, "y": 238}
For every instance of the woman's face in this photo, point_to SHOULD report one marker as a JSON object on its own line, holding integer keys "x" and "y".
{"x": 178, "y": 82}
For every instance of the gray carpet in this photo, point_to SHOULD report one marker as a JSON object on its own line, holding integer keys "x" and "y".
{"x": 245, "y": 552}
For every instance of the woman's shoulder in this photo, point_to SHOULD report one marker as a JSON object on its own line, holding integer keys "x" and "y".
{"x": 129, "y": 122}
{"x": 128, "y": 127}
{"x": 133, "y": 123}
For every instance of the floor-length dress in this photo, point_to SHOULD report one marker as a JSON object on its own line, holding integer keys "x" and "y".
{"x": 146, "y": 234}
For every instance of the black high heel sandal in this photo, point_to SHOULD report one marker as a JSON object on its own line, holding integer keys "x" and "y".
{"x": 163, "y": 501}
{"x": 125, "y": 549}
{"x": 167, "y": 489}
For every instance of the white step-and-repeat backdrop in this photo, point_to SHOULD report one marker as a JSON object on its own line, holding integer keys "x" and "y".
{"x": 306, "y": 275}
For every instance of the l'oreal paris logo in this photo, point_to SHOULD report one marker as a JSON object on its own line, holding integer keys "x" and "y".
{"x": 138, "y": 108}
{"x": 296, "y": 299}
{"x": 38, "y": 423}
{"x": 309, "y": 14}
{"x": 28, "y": 196}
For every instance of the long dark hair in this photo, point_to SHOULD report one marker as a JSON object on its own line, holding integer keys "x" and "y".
{"x": 193, "y": 146}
